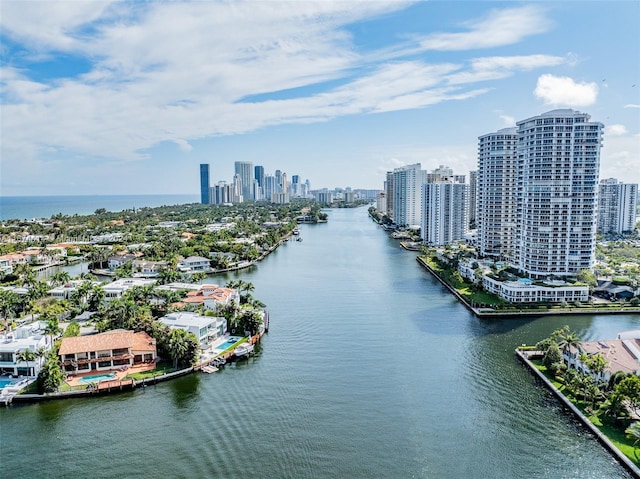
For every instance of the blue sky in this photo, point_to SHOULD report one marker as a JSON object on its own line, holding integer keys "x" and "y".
{"x": 129, "y": 97}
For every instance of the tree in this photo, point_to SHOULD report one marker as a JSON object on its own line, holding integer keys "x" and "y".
{"x": 72, "y": 330}
{"x": 629, "y": 389}
{"x": 552, "y": 356}
{"x": 9, "y": 302}
{"x": 595, "y": 362}
{"x": 59, "y": 278}
{"x": 633, "y": 432}
{"x": 51, "y": 375}
{"x": 52, "y": 328}
{"x": 96, "y": 297}
{"x": 26, "y": 356}
{"x": 177, "y": 345}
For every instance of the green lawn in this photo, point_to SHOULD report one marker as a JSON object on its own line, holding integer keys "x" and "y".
{"x": 614, "y": 433}
{"x": 162, "y": 367}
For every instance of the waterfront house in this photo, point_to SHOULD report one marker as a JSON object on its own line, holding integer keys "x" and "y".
{"x": 147, "y": 269}
{"x": 25, "y": 337}
{"x": 120, "y": 260}
{"x": 117, "y": 288}
{"x": 194, "y": 264}
{"x": 65, "y": 291}
{"x": 106, "y": 351}
{"x": 205, "y": 328}
{"x": 622, "y": 355}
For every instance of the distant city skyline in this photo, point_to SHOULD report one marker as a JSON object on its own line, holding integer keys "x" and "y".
{"x": 116, "y": 98}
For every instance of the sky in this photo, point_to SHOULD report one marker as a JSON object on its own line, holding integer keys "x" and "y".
{"x": 129, "y": 97}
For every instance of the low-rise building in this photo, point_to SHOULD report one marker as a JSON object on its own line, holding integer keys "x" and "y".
{"x": 106, "y": 351}
{"x": 147, "y": 269}
{"x": 118, "y": 287}
{"x": 525, "y": 291}
{"x": 205, "y": 328}
{"x": 195, "y": 264}
{"x": 29, "y": 337}
{"x": 621, "y": 354}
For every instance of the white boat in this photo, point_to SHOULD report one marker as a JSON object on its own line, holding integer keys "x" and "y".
{"x": 209, "y": 369}
{"x": 243, "y": 350}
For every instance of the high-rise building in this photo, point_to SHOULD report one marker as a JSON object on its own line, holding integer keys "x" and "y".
{"x": 444, "y": 217}
{"x": 537, "y": 200}
{"x": 204, "y": 184}
{"x": 245, "y": 172}
{"x": 388, "y": 192}
{"x": 617, "y": 204}
{"x": 496, "y": 193}
{"x": 221, "y": 193}
{"x": 407, "y": 188}
{"x": 258, "y": 172}
{"x": 559, "y": 164}
{"x": 473, "y": 193}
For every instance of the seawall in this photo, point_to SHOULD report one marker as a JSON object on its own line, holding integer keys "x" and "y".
{"x": 624, "y": 460}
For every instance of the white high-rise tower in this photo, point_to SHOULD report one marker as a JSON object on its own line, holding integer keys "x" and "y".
{"x": 559, "y": 164}
{"x": 407, "y": 183}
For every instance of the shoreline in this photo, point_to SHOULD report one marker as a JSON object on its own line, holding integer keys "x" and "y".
{"x": 604, "y": 440}
{"x": 506, "y": 314}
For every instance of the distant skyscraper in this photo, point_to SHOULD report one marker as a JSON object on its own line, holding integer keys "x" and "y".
{"x": 259, "y": 175}
{"x": 473, "y": 193}
{"x": 559, "y": 164}
{"x": 204, "y": 184}
{"x": 245, "y": 172}
{"x": 617, "y": 204}
{"x": 496, "y": 192}
{"x": 407, "y": 188}
{"x": 444, "y": 218}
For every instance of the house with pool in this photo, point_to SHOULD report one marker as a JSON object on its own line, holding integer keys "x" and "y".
{"x": 28, "y": 337}
{"x": 109, "y": 351}
{"x": 206, "y": 328}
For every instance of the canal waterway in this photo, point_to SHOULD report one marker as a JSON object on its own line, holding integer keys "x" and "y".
{"x": 371, "y": 369}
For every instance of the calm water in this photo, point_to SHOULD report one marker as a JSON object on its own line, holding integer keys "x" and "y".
{"x": 29, "y": 207}
{"x": 370, "y": 370}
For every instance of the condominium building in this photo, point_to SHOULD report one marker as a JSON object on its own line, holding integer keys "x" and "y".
{"x": 617, "y": 203}
{"x": 537, "y": 193}
{"x": 244, "y": 170}
{"x": 444, "y": 211}
{"x": 388, "y": 192}
{"x": 559, "y": 164}
{"x": 496, "y": 192}
{"x": 407, "y": 188}
{"x": 204, "y": 184}
{"x": 473, "y": 193}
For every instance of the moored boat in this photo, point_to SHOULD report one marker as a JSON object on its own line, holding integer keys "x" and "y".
{"x": 243, "y": 350}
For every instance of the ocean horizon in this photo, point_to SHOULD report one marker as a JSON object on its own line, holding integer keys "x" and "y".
{"x": 37, "y": 207}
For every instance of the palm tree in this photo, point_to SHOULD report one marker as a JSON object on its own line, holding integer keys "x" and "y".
{"x": 59, "y": 278}
{"x": 177, "y": 345}
{"x": 26, "y": 356}
{"x": 96, "y": 297}
{"x": 633, "y": 432}
{"x": 52, "y": 328}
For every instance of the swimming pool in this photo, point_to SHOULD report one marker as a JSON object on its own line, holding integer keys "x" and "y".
{"x": 230, "y": 342}
{"x": 6, "y": 382}
{"x": 97, "y": 378}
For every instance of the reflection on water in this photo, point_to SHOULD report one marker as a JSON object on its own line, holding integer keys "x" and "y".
{"x": 370, "y": 369}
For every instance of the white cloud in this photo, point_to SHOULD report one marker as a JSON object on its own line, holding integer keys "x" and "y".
{"x": 615, "y": 130}
{"x": 632, "y": 105}
{"x": 555, "y": 90}
{"x": 183, "y": 144}
{"x": 182, "y": 71}
{"x": 500, "y": 27}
